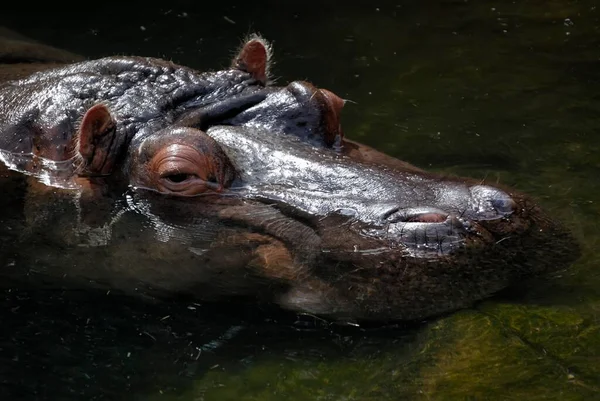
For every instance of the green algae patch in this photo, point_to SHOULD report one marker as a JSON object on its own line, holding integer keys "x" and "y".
{"x": 380, "y": 378}
{"x": 360, "y": 365}
{"x": 498, "y": 351}
{"x": 561, "y": 335}
{"x": 508, "y": 352}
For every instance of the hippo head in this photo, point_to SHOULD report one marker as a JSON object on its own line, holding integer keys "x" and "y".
{"x": 354, "y": 234}
{"x": 333, "y": 227}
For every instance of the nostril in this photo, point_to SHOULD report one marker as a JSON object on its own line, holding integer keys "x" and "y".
{"x": 415, "y": 215}
{"x": 490, "y": 203}
{"x": 429, "y": 218}
{"x": 422, "y": 231}
{"x": 503, "y": 205}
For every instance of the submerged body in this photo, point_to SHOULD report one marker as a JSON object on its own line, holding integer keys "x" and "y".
{"x": 216, "y": 185}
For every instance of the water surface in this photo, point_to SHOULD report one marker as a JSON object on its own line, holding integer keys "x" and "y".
{"x": 503, "y": 90}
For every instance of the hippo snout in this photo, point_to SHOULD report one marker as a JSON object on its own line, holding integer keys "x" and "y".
{"x": 447, "y": 225}
{"x": 423, "y": 238}
{"x": 475, "y": 202}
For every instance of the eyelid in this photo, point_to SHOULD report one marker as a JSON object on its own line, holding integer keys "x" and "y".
{"x": 215, "y": 186}
{"x": 172, "y": 173}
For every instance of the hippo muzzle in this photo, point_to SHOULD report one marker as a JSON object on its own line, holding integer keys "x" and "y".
{"x": 421, "y": 213}
{"x": 391, "y": 243}
{"x": 366, "y": 236}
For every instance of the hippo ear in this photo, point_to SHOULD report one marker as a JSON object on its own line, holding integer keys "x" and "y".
{"x": 254, "y": 57}
{"x": 96, "y": 133}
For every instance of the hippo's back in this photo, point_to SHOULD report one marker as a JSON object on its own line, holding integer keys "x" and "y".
{"x": 20, "y": 56}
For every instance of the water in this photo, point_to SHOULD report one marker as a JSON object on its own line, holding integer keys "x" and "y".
{"x": 504, "y": 90}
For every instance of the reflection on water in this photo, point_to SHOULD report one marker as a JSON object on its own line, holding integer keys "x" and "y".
{"x": 48, "y": 172}
{"x": 484, "y": 89}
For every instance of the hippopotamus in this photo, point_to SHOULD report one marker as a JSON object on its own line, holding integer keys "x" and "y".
{"x": 221, "y": 185}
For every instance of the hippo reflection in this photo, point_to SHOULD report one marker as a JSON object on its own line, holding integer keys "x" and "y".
{"x": 218, "y": 184}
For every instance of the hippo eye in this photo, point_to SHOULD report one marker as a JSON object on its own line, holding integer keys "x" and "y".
{"x": 183, "y": 169}
{"x": 176, "y": 178}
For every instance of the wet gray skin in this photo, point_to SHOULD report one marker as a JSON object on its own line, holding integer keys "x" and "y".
{"x": 289, "y": 211}
{"x": 144, "y": 95}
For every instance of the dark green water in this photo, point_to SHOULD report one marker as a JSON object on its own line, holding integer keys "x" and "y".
{"x": 509, "y": 90}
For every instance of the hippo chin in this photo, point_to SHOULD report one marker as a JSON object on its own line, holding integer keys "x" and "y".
{"x": 218, "y": 184}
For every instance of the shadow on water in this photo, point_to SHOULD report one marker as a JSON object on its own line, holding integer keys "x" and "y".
{"x": 482, "y": 89}
{"x": 91, "y": 345}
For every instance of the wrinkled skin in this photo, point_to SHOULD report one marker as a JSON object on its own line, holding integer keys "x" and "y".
{"x": 217, "y": 185}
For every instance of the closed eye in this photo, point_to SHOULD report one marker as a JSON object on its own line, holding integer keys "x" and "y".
{"x": 177, "y": 178}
